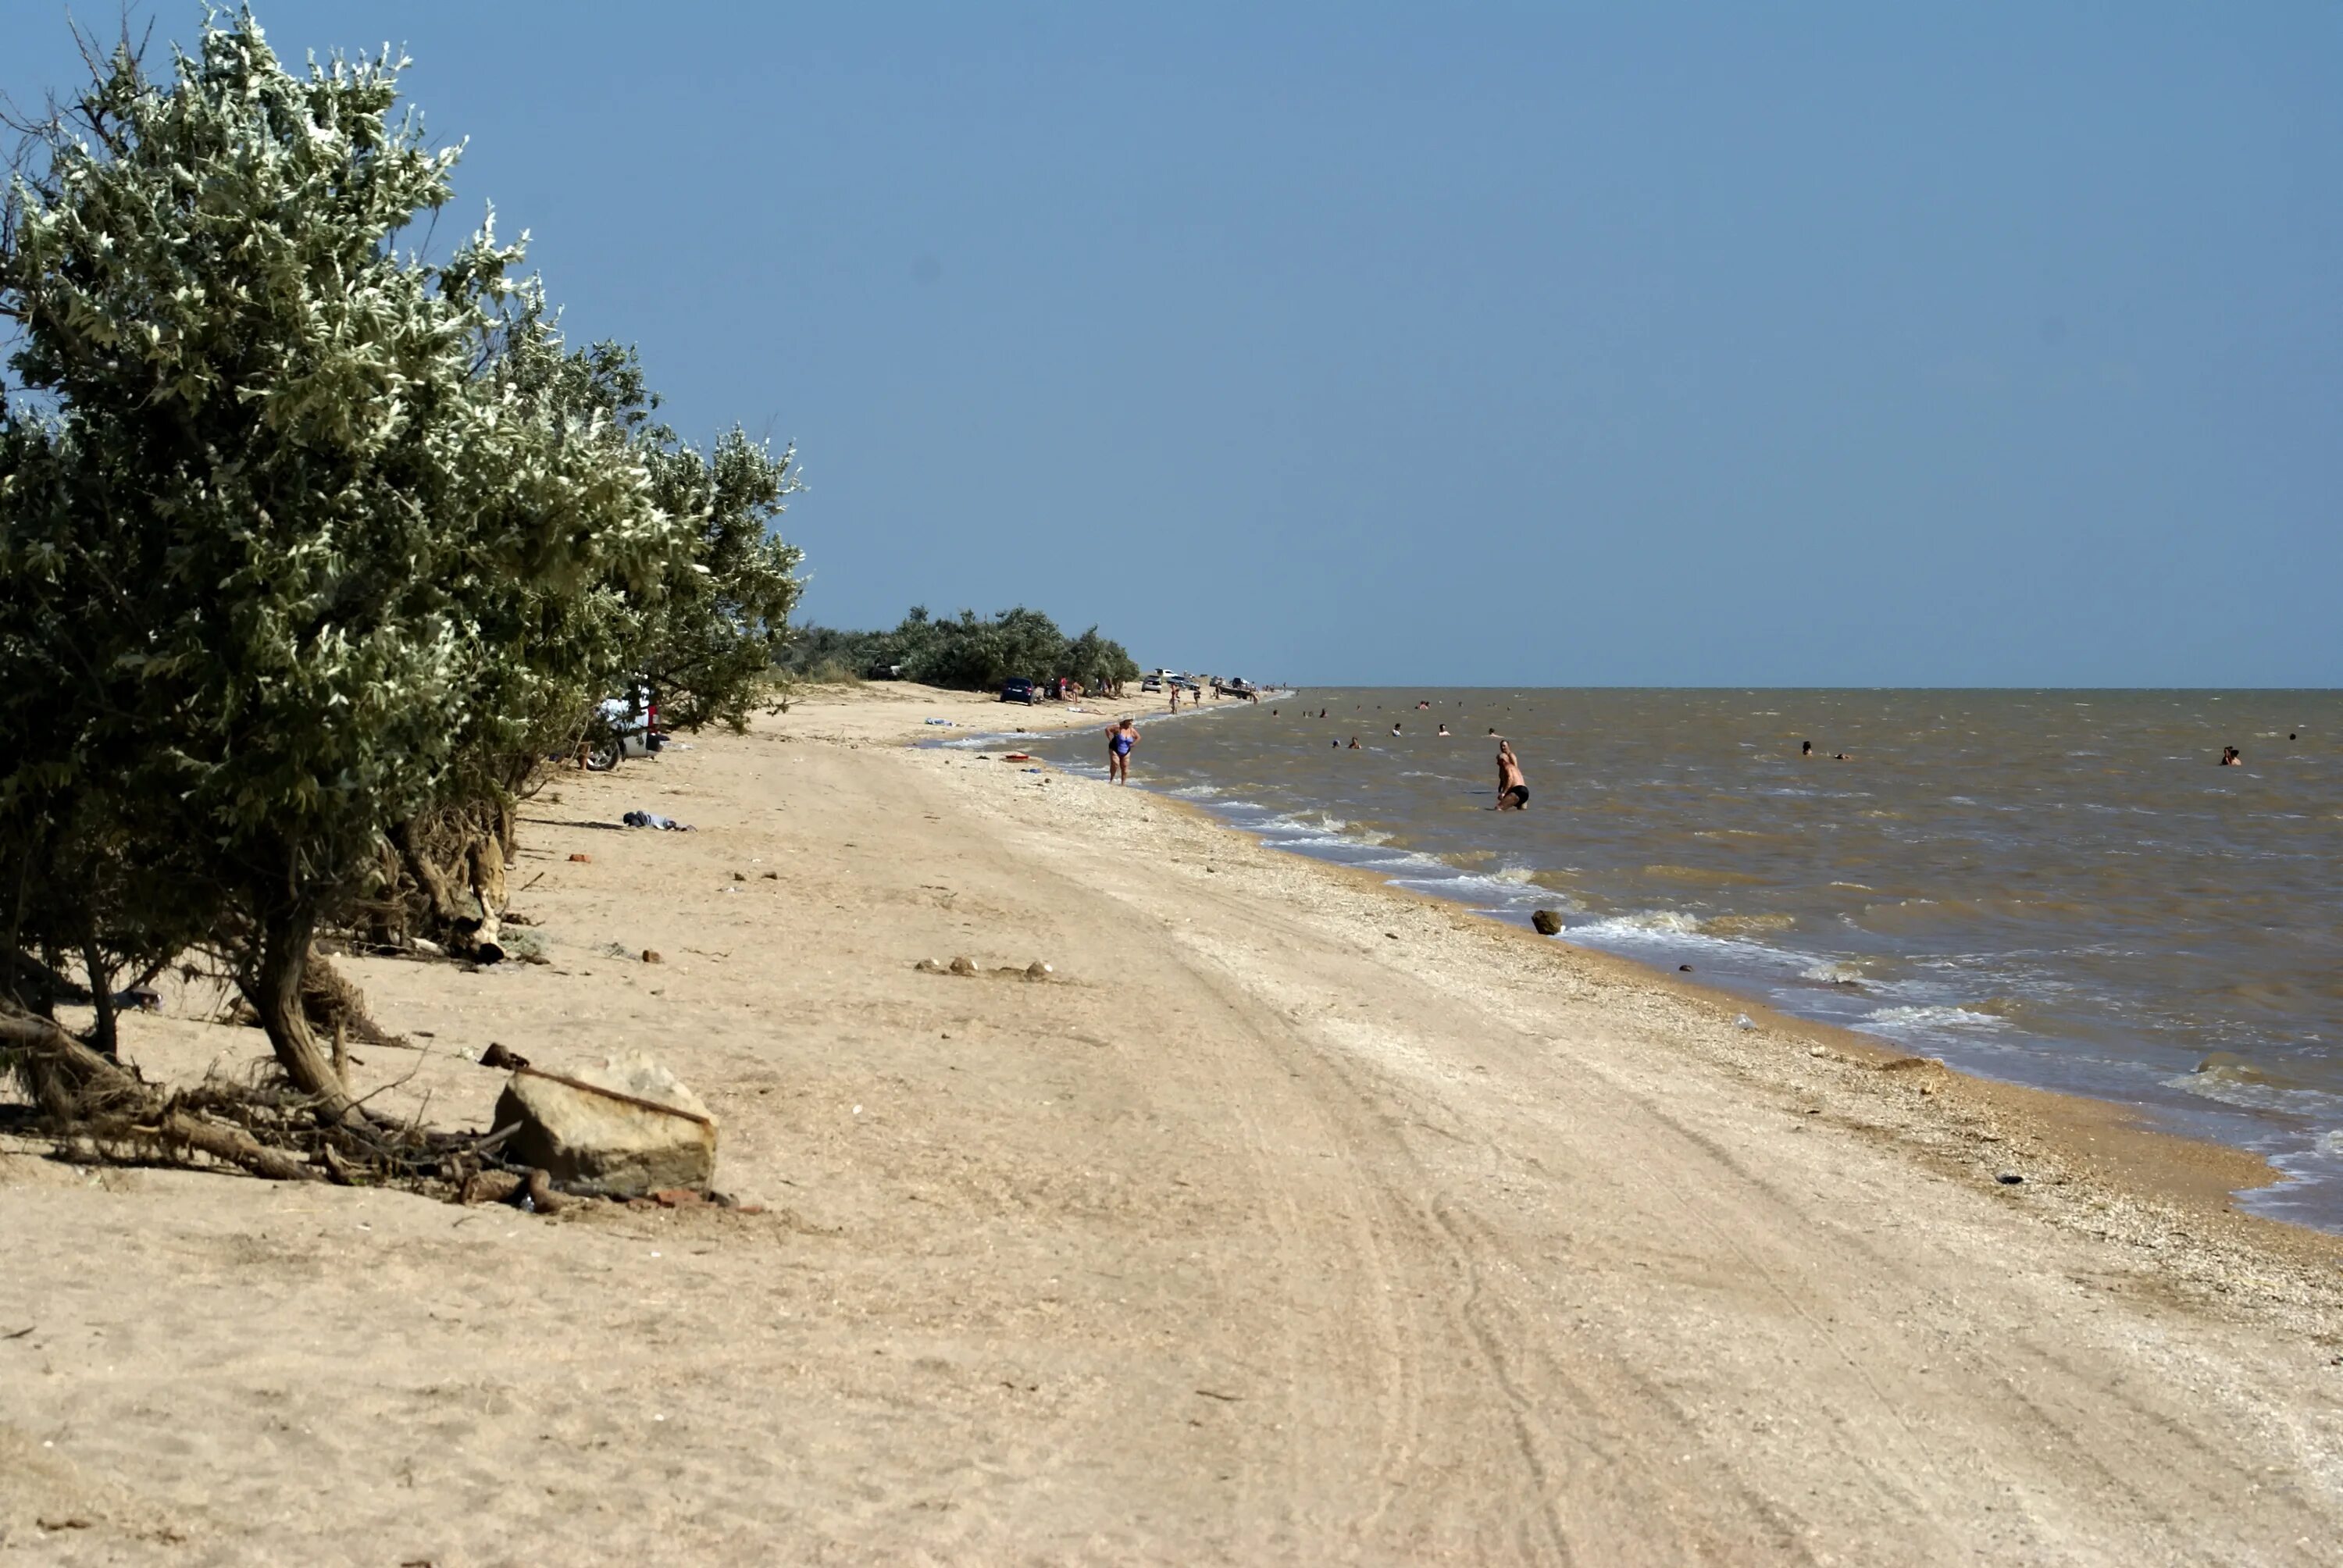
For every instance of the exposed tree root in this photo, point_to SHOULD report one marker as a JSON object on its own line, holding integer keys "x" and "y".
{"x": 103, "y": 1110}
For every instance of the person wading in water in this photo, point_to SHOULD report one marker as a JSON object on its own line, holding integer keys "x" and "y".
{"x": 1120, "y": 739}
{"x": 1513, "y": 789}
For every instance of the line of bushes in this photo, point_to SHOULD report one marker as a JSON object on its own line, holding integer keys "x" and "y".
{"x": 970, "y": 652}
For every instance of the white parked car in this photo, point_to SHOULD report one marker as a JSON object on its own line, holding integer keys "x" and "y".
{"x": 622, "y": 727}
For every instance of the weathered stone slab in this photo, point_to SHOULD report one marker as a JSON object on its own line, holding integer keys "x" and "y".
{"x": 622, "y": 1130}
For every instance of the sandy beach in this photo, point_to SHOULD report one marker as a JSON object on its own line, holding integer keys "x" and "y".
{"x": 1288, "y": 1218}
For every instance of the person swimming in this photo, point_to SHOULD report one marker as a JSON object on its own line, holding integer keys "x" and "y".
{"x": 1443, "y": 730}
{"x": 1394, "y": 729}
{"x": 2232, "y": 758}
{"x": 1354, "y": 743}
{"x": 1805, "y": 749}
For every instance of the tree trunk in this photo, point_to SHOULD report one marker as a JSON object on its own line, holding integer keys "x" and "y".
{"x": 487, "y": 858}
{"x": 101, "y": 995}
{"x": 479, "y": 875}
{"x": 274, "y": 992}
{"x": 427, "y": 876}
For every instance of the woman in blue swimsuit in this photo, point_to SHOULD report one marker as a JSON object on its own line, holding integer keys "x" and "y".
{"x": 1118, "y": 742}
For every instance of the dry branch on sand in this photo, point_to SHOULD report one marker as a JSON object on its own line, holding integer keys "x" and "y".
{"x": 96, "y": 1106}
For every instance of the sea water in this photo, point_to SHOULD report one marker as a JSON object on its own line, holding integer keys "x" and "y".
{"x": 2061, "y": 889}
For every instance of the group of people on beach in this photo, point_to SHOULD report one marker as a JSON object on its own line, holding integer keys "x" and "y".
{"x": 1512, "y": 788}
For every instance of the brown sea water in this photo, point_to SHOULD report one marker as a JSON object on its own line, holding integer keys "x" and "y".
{"x": 2056, "y": 888}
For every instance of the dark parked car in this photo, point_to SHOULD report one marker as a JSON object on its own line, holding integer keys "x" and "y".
{"x": 1020, "y": 690}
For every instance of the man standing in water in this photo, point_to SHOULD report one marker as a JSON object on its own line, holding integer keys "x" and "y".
{"x": 1513, "y": 789}
{"x": 1120, "y": 739}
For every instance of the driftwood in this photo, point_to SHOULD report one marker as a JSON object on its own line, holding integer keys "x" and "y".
{"x": 90, "y": 1103}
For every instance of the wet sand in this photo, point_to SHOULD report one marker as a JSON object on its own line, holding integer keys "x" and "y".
{"x": 1292, "y": 1218}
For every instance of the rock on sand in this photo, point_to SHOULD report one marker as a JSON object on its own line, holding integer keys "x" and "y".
{"x": 612, "y": 1136}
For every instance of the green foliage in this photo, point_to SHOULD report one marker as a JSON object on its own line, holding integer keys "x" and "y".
{"x": 713, "y": 639}
{"x": 971, "y": 652}
{"x": 301, "y": 538}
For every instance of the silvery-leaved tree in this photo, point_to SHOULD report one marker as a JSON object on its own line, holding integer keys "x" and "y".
{"x": 291, "y": 532}
{"x": 713, "y": 639}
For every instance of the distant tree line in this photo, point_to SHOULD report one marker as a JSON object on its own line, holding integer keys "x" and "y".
{"x": 971, "y": 652}
{"x": 312, "y": 550}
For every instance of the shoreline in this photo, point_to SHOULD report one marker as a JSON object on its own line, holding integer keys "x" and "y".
{"x": 2114, "y": 1149}
{"x": 1291, "y": 1216}
{"x": 2201, "y": 1170}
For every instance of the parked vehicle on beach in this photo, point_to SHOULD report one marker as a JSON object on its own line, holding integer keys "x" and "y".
{"x": 1017, "y": 688}
{"x": 622, "y": 727}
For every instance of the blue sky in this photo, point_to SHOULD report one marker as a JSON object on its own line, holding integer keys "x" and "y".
{"x": 1865, "y": 344}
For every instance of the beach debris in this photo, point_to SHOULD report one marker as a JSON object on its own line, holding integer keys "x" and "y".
{"x": 535, "y": 1194}
{"x": 652, "y": 956}
{"x": 627, "y": 1129}
{"x": 527, "y": 946}
{"x": 1745, "y": 1022}
{"x": 1817, "y": 1050}
{"x": 963, "y": 965}
{"x": 581, "y": 859}
{"x": 1037, "y": 969}
{"x": 497, "y": 1056}
{"x": 2010, "y": 1179}
{"x": 1547, "y": 922}
{"x": 739, "y": 876}
{"x": 772, "y": 876}
{"x": 928, "y": 967}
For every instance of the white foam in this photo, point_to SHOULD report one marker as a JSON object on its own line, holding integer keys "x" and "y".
{"x": 1921, "y": 1018}
{"x": 1650, "y": 924}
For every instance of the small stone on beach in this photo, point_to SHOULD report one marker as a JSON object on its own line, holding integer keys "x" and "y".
{"x": 582, "y": 859}
{"x": 963, "y": 966}
{"x": 1546, "y": 922}
{"x": 2009, "y": 1179}
{"x": 652, "y": 956}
